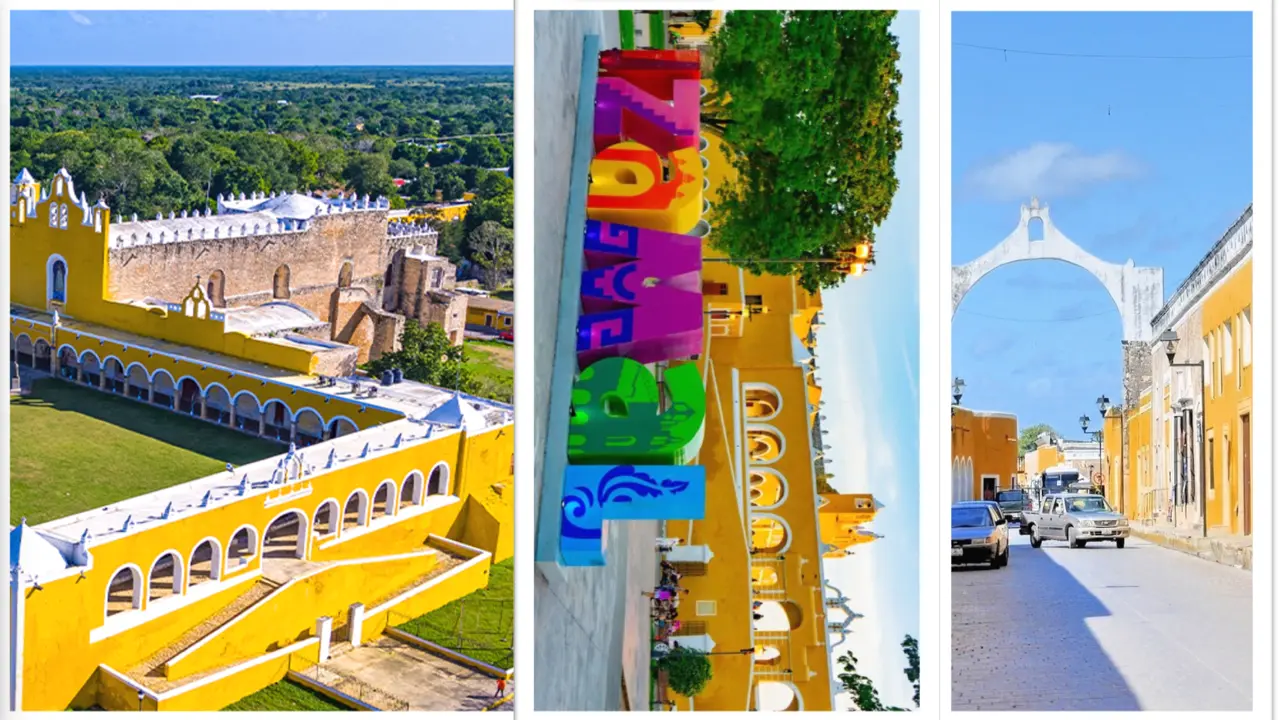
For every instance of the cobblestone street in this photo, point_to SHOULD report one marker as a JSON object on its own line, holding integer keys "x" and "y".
{"x": 1143, "y": 628}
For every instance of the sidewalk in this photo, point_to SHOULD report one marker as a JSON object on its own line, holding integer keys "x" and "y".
{"x": 1234, "y": 551}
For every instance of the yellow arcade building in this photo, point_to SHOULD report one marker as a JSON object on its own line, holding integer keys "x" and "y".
{"x": 391, "y": 499}
{"x": 758, "y": 599}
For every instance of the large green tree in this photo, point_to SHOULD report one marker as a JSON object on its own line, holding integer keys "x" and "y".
{"x": 912, "y": 650}
{"x": 426, "y": 355}
{"x": 859, "y": 686}
{"x": 492, "y": 248}
{"x": 808, "y": 102}
{"x": 1027, "y": 437}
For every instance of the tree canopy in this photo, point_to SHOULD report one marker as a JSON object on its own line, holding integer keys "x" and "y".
{"x": 863, "y": 691}
{"x": 1027, "y": 437}
{"x": 808, "y": 103}
{"x": 427, "y": 356}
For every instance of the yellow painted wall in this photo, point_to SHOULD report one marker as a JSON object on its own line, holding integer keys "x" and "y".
{"x": 85, "y": 250}
{"x": 489, "y": 318}
{"x": 1138, "y": 481}
{"x": 990, "y": 441}
{"x": 362, "y": 415}
{"x": 1111, "y": 445}
{"x": 459, "y": 583}
{"x": 290, "y": 613}
{"x": 1230, "y": 394}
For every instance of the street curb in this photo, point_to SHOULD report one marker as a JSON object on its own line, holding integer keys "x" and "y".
{"x": 1203, "y": 548}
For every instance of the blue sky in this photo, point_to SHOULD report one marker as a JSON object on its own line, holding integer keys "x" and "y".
{"x": 263, "y": 38}
{"x": 1142, "y": 159}
{"x": 869, "y": 369}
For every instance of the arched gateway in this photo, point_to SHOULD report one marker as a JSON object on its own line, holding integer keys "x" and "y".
{"x": 1138, "y": 292}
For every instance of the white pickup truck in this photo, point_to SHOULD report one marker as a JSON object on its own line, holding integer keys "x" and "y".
{"x": 1077, "y": 518}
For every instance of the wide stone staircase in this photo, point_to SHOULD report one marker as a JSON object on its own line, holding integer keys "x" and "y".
{"x": 151, "y": 671}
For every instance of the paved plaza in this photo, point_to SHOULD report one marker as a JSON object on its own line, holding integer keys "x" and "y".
{"x": 1143, "y": 628}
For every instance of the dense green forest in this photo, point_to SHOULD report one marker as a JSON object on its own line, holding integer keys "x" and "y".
{"x": 153, "y": 140}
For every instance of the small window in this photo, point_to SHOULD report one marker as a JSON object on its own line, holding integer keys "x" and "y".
{"x": 1246, "y": 337}
{"x": 705, "y": 608}
{"x": 754, "y": 300}
{"x": 1212, "y": 468}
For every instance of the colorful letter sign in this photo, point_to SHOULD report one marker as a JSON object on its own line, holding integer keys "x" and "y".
{"x": 641, "y": 303}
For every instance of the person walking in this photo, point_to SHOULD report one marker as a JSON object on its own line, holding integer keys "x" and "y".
{"x": 502, "y": 687}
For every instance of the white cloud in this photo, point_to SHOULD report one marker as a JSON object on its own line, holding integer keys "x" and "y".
{"x": 79, "y": 18}
{"x": 1048, "y": 170}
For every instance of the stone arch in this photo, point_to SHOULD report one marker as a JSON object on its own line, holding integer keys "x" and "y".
{"x": 216, "y": 289}
{"x": 138, "y": 382}
{"x": 761, "y": 401}
{"x": 68, "y": 363}
{"x": 778, "y": 696}
{"x": 770, "y": 534}
{"x": 42, "y": 353}
{"x": 344, "y": 275}
{"x": 24, "y": 350}
{"x": 163, "y": 388}
{"x": 767, "y": 654}
{"x": 1138, "y": 292}
{"x": 768, "y": 488}
{"x": 310, "y": 427}
{"x": 411, "y": 489}
{"x": 339, "y": 426}
{"x": 112, "y": 371}
{"x": 286, "y": 535}
{"x": 384, "y": 499}
{"x": 206, "y": 562}
{"x": 189, "y": 396}
{"x": 124, "y": 592}
{"x": 765, "y": 443}
{"x": 165, "y": 577}
{"x": 778, "y": 616}
{"x": 356, "y": 512}
{"x": 763, "y": 577}
{"x": 327, "y": 516}
{"x": 438, "y": 481}
{"x": 248, "y": 411}
{"x": 217, "y": 403}
{"x": 56, "y": 279}
{"x": 280, "y": 283}
{"x": 242, "y": 548}
{"x": 277, "y": 419}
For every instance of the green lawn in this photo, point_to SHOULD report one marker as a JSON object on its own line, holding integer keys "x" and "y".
{"x": 492, "y": 364}
{"x": 284, "y": 696}
{"x": 75, "y": 449}
{"x": 484, "y": 616}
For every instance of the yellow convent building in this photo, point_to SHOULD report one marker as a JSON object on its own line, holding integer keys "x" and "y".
{"x": 984, "y": 454}
{"x": 388, "y": 499}
{"x": 758, "y": 599}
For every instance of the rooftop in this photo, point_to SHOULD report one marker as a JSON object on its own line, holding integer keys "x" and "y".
{"x": 268, "y": 318}
{"x": 409, "y": 398}
{"x": 492, "y": 303}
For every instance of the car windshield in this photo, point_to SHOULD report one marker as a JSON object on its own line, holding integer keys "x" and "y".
{"x": 1009, "y": 496}
{"x": 1090, "y": 503}
{"x": 970, "y": 516}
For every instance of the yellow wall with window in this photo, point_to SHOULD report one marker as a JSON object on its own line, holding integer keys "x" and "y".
{"x": 1227, "y": 319}
{"x": 986, "y": 445}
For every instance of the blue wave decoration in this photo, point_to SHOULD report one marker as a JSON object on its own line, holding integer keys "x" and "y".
{"x": 621, "y": 484}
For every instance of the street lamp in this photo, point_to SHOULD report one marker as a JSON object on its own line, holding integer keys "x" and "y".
{"x": 957, "y": 390}
{"x": 1084, "y": 427}
{"x": 1104, "y": 403}
{"x": 1170, "y": 340}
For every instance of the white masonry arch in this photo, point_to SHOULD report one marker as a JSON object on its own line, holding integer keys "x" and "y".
{"x": 1138, "y": 292}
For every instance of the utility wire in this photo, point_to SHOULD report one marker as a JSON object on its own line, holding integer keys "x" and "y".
{"x": 1100, "y": 56}
{"x": 1038, "y": 320}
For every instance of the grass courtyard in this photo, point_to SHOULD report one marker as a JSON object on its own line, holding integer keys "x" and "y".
{"x": 74, "y": 449}
{"x": 285, "y": 696}
{"x": 492, "y": 363}
{"x": 479, "y": 625}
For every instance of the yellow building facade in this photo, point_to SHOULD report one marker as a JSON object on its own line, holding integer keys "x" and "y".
{"x": 984, "y": 453}
{"x": 753, "y": 565}
{"x": 389, "y": 502}
{"x": 1197, "y": 413}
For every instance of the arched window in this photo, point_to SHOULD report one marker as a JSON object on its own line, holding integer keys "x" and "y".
{"x": 384, "y": 499}
{"x": 242, "y": 549}
{"x": 206, "y": 563}
{"x": 355, "y": 513}
{"x": 325, "y": 522}
{"x": 438, "y": 483}
{"x": 411, "y": 490}
{"x": 58, "y": 280}
{"x": 344, "y": 275}
{"x": 216, "y": 289}
{"x": 286, "y": 536}
{"x": 166, "y": 576}
{"x": 280, "y": 286}
{"x": 124, "y": 592}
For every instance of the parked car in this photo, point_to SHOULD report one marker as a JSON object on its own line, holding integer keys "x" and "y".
{"x": 507, "y": 335}
{"x": 1077, "y": 518}
{"x": 1011, "y": 503}
{"x": 979, "y": 534}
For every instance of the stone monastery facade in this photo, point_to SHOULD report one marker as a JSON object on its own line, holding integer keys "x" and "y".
{"x": 387, "y": 500}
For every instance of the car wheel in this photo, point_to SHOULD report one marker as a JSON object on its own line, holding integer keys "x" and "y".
{"x": 1004, "y": 559}
{"x": 1071, "y": 537}
{"x": 1120, "y": 544}
{"x": 995, "y": 561}
{"x": 1035, "y": 537}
